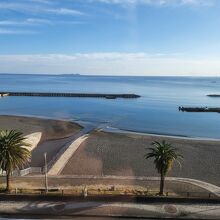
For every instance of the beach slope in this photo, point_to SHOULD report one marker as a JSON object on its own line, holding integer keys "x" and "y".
{"x": 105, "y": 153}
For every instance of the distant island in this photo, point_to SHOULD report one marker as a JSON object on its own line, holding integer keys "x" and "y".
{"x": 70, "y": 74}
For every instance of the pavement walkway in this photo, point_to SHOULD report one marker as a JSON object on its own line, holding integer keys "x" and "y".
{"x": 116, "y": 209}
{"x": 62, "y": 158}
{"x": 65, "y": 157}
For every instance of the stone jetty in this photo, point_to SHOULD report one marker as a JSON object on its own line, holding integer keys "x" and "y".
{"x": 81, "y": 95}
{"x": 214, "y": 95}
{"x": 199, "y": 109}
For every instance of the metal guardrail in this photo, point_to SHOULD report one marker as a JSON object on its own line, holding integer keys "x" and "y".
{"x": 31, "y": 170}
{"x": 24, "y": 172}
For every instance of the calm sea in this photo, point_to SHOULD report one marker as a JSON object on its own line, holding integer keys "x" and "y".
{"x": 155, "y": 112}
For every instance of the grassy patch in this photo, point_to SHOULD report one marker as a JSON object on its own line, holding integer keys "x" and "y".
{"x": 91, "y": 190}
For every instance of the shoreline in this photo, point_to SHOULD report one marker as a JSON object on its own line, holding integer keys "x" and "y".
{"x": 109, "y": 129}
{"x": 122, "y": 154}
{"x": 124, "y": 131}
{"x": 43, "y": 118}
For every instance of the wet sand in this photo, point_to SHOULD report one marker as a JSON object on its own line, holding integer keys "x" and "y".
{"x": 106, "y": 153}
{"x": 50, "y": 128}
{"x": 53, "y": 134}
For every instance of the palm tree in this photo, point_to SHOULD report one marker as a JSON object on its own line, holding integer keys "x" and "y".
{"x": 13, "y": 153}
{"x": 164, "y": 155}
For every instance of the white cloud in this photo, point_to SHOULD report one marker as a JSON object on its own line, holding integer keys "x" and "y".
{"x": 28, "y": 21}
{"x": 40, "y": 1}
{"x": 36, "y": 8}
{"x": 158, "y": 2}
{"x": 10, "y": 25}
{"x": 64, "y": 11}
{"x": 6, "y": 31}
{"x": 114, "y": 63}
{"x": 110, "y": 56}
{"x": 38, "y": 21}
{"x": 34, "y": 12}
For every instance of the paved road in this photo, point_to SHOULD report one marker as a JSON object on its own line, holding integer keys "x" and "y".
{"x": 117, "y": 209}
{"x": 75, "y": 218}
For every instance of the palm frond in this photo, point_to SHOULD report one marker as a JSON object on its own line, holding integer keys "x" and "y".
{"x": 164, "y": 156}
{"x": 13, "y": 150}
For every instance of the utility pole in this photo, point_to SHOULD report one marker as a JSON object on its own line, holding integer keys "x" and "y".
{"x": 45, "y": 171}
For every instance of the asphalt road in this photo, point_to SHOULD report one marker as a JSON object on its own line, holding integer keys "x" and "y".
{"x": 69, "y": 209}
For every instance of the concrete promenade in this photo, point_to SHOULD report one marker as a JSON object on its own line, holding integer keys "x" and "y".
{"x": 64, "y": 158}
{"x": 160, "y": 209}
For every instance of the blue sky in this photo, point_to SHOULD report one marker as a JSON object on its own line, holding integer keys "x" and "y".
{"x": 113, "y": 37}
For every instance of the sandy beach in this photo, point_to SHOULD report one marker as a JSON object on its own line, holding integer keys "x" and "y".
{"x": 50, "y": 128}
{"x": 106, "y": 153}
{"x": 45, "y": 135}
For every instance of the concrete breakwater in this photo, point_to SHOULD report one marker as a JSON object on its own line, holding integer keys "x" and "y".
{"x": 82, "y": 95}
{"x": 199, "y": 109}
{"x": 214, "y": 95}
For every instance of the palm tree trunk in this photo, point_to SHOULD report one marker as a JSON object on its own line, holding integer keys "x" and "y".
{"x": 162, "y": 178}
{"x": 8, "y": 183}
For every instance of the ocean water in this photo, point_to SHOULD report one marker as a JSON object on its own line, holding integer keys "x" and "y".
{"x": 155, "y": 112}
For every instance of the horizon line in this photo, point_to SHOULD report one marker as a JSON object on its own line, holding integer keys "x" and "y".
{"x": 109, "y": 75}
